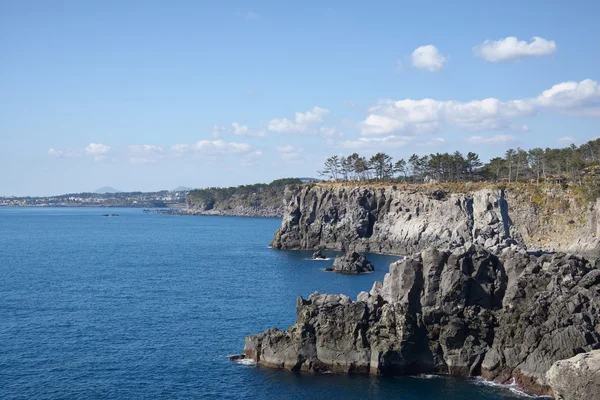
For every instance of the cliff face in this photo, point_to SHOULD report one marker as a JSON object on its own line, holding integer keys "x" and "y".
{"x": 402, "y": 221}
{"x": 504, "y": 315}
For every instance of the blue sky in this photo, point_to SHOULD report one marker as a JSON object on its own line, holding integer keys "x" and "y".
{"x": 150, "y": 95}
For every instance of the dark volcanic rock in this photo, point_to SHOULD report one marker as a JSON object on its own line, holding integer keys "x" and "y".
{"x": 318, "y": 255}
{"x": 351, "y": 263}
{"x": 461, "y": 312}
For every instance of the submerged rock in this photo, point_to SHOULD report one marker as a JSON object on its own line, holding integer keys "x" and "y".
{"x": 577, "y": 377}
{"x": 351, "y": 263}
{"x": 462, "y": 312}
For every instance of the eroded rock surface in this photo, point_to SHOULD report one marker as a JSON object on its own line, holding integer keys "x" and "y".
{"x": 502, "y": 314}
{"x": 351, "y": 263}
{"x": 386, "y": 220}
{"x": 577, "y": 377}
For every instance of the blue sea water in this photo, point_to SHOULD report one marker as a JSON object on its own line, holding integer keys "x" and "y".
{"x": 147, "y": 306}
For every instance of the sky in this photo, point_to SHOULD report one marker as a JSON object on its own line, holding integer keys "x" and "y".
{"x": 151, "y": 95}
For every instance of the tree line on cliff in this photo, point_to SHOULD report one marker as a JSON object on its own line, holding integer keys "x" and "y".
{"x": 573, "y": 164}
{"x": 257, "y": 195}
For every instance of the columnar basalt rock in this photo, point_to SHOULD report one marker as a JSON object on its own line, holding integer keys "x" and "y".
{"x": 386, "y": 220}
{"x": 413, "y": 218}
{"x": 503, "y": 314}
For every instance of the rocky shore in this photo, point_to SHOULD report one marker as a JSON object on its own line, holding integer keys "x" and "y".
{"x": 468, "y": 312}
{"x": 233, "y": 212}
{"x": 471, "y": 300}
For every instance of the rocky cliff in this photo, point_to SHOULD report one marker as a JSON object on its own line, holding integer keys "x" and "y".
{"x": 576, "y": 378}
{"x": 503, "y": 314}
{"x": 412, "y": 218}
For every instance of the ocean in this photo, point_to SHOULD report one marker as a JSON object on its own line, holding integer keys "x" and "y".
{"x": 149, "y": 306}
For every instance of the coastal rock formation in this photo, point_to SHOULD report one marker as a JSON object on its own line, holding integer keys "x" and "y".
{"x": 504, "y": 314}
{"x": 351, "y": 263}
{"x": 318, "y": 255}
{"x": 386, "y": 220}
{"x": 576, "y": 378}
{"x": 405, "y": 220}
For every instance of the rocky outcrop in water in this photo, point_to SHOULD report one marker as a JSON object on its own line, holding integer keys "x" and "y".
{"x": 576, "y": 378}
{"x": 500, "y": 313}
{"x": 408, "y": 219}
{"x": 351, "y": 263}
{"x": 318, "y": 255}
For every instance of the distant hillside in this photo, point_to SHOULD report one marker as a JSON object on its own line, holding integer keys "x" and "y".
{"x": 260, "y": 199}
{"x": 182, "y": 189}
{"x": 106, "y": 189}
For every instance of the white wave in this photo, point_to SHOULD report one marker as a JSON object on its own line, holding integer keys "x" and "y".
{"x": 245, "y": 361}
{"x": 318, "y": 259}
{"x": 427, "y": 376}
{"x": 512, "y": 387}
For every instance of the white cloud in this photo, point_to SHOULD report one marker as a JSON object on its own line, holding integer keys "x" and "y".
{"x": 55, "y": 153}
{"x": 496, "y": 139}
{"x": 574, "y": 98}
{"x": 145, "y": 153}
{"x": 328, "y": 131}
{"x": 221, "y": 147}
{"x": 416, "y": 117}
{"x": 290, "y": 153}
{"x": 217, "y": 131}
{"x": 511, "y": 49}
{"x": 142, "y": 160}
{"x": 98, "y": 150}
{"x": 180, "y": 149}
{"x": 428, "y": 57}
{"x": 250, "y": 159}
{"x": 303, "y": 123}
{"x": 365, "y": 143}
{"x": 242, "y": 130}
{"x": 566, "y": 139}
{"x": 211, "y": 147}
{"x": 433, "y": 142}
{"x": 145, "y": 148}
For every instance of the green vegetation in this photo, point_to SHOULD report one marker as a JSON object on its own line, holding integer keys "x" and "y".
{"x": 576, "y": 166}
{"x": 257, "y": 195}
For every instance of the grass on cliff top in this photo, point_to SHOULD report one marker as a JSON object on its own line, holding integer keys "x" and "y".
{"x": 537, "y": 193}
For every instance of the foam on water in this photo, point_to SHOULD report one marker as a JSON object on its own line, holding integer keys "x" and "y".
{"x": 245, "y": 361}
{"x": 512, "y": 387}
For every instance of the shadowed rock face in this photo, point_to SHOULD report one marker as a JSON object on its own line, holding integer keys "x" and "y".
{"x": 576, "y": 378}
{"x": 503, "y": 315}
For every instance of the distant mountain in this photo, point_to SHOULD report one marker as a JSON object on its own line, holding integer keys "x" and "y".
{"x": 182, "y": 189}
{"x": 107, "y": 189}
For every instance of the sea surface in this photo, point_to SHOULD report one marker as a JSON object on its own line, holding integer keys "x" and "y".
{"x": 148, "y": 306}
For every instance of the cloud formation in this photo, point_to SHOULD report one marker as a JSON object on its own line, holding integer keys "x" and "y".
{"x": 212, "y": 147}
{"x": 98, "y": 151}
{"x": 428, "y": 57}
{"x": 302, "y": 123}
{"x": 511, "y": 49}
{"x": 496, "y": 139}
{"x": 145, "y": 154}
{"x": 290, "y": 153}
{"x": 416, "y": 117}
{"x": 242, "y": 130}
